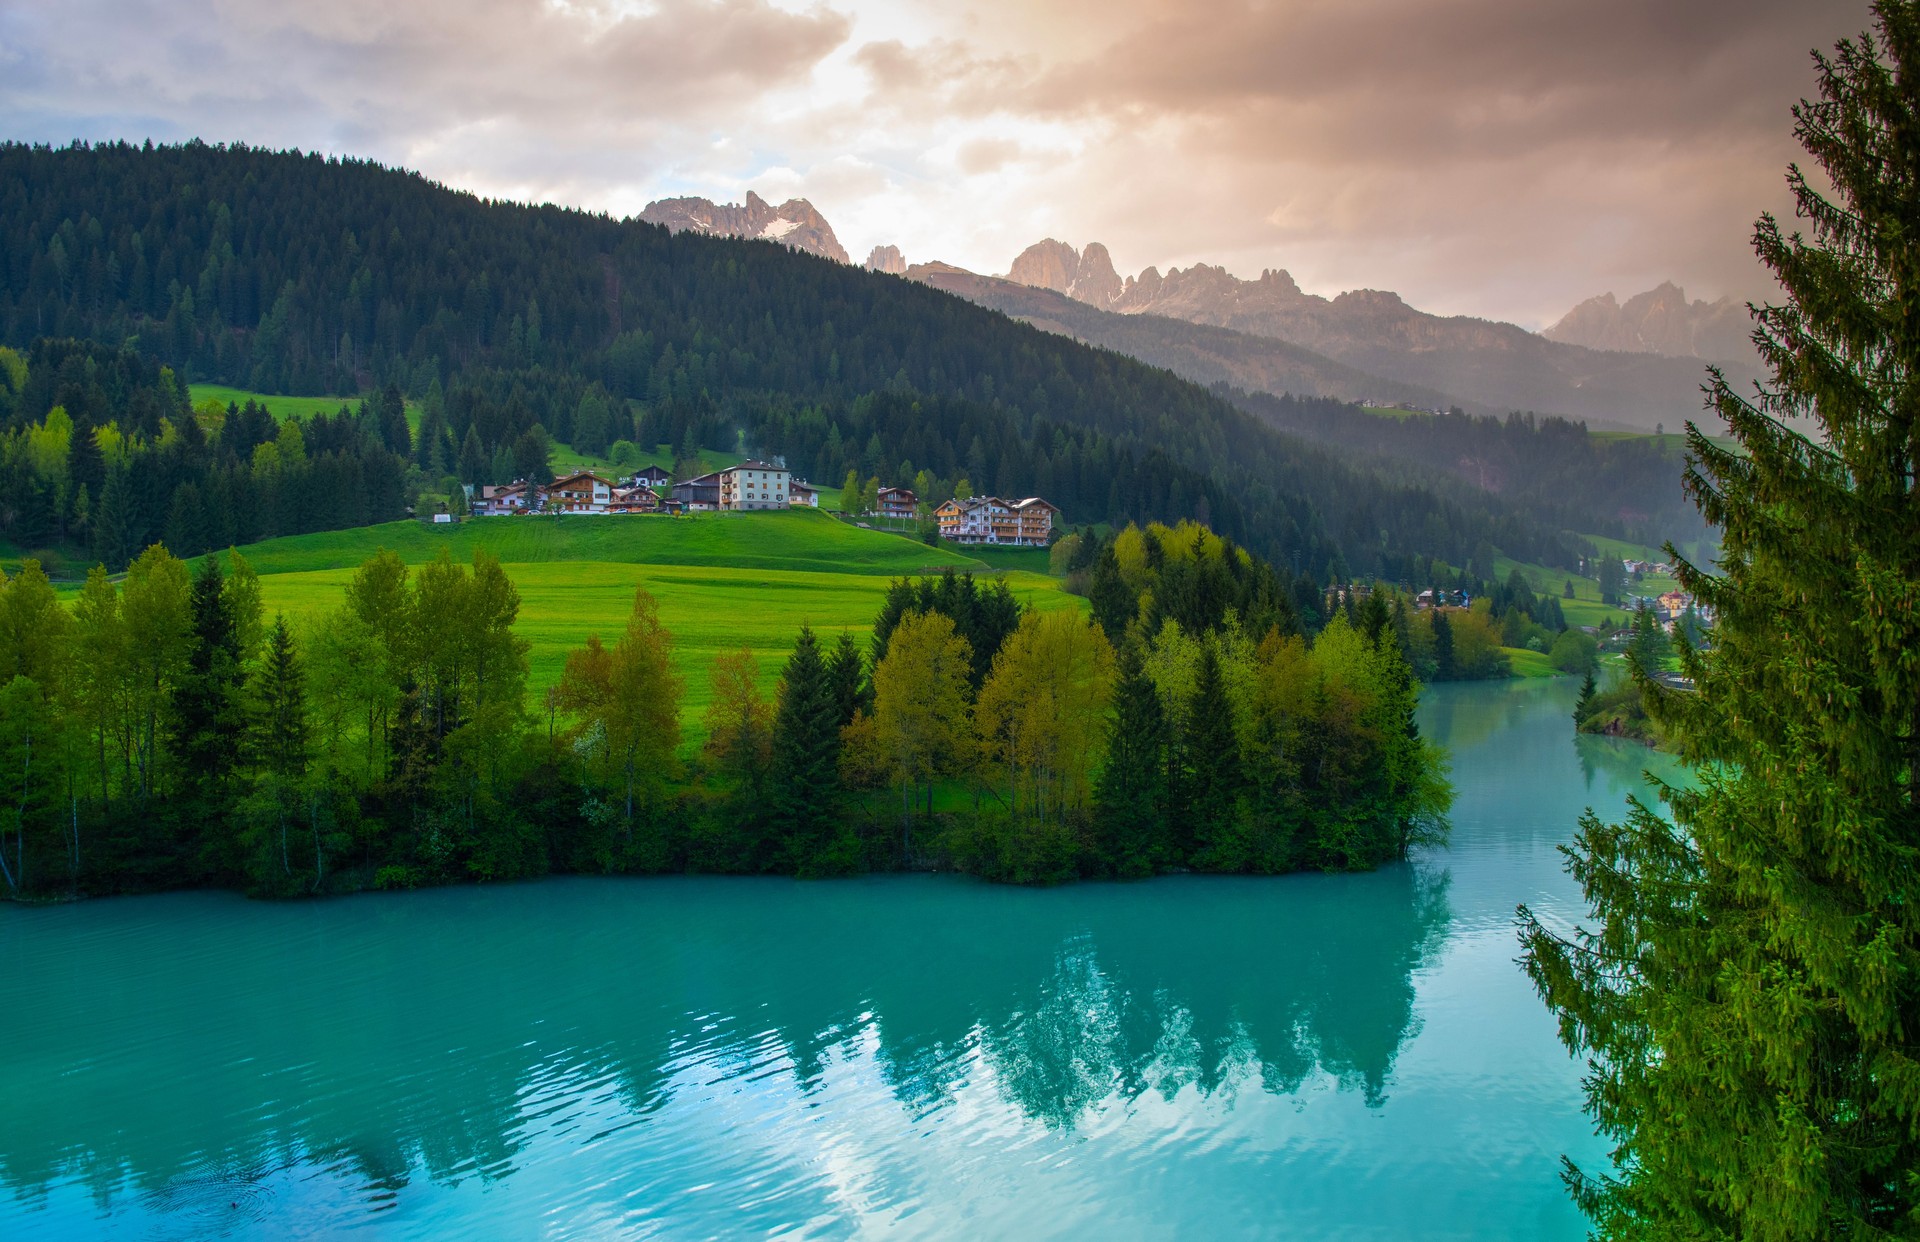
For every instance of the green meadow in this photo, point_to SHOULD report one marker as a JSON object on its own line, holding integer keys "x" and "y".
{"x": 724, "y": 581}
{"x": 794, "y": 540}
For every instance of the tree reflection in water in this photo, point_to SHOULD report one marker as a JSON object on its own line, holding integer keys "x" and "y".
{"x": 368, "y": 1042}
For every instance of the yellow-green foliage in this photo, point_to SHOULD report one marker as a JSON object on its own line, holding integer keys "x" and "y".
{"x": 1043, "y": 712}
{"x": 1186, "y": 542}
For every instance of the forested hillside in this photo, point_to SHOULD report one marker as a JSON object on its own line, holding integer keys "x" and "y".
{"x": 1626, "y": 487}
{"x": 283, "y": 272}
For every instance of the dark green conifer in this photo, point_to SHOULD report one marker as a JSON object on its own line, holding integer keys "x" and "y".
{"x": 280, "y": 728}
{"x": 1443, "y": 666}
{"x": 806, "y": 758}
{"x": 1114, "y": 602}
{"x": 209, "y": 718}
{"x": 115, "y": 534}
{"x": 1649, "y": 647}
{"x": 1130, "y": 800}
{"x": 851, "y": 690}
{"x": 1747, "y": 992}
{"x": 1214, "y": 775}
{"x": 394, "y": 432}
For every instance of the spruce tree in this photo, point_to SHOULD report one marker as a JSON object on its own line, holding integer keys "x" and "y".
{"x": 115, "y": 533}
{"x": 394, "y": 432}
{"x": 1748, "y": 992}
{"x": 280, "y": 729}
{"x": 1130, "y": 800}
{"x": 1114, "y": 603}
{"x": 1443, "y": 666}
{"x": 1214, "y": 776}
{"x": 1589, "y": 691}
{"x": 851, "y": 690}
{"x": 806, "y": 758}
{"x": 209, "y": 717}
{"x": 1649, "y": 647}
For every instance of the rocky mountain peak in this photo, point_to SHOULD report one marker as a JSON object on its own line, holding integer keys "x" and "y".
{"x": 1047, "y": 264}
{"x": 1084, "y": 275}
{"x": 887, "y": 259}
{"x": 793, "y": 223}
{"x": 1096, "y": 282}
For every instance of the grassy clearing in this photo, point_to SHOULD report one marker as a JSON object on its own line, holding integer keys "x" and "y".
{"x": 1030, "y": 560}
{"x": 566, "y": 458}
{"x": 1530, "y": 663}
{"x": 791, "y": 540}
{"x": 281, "y": 408}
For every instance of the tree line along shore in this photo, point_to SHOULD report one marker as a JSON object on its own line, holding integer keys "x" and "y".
{"x": 164, "y": 732}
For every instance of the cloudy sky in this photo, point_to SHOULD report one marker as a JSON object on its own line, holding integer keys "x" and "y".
{"x": 1492, "y": 157}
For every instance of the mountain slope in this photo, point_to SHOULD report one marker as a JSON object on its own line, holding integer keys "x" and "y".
{"x": 1203, "y": 354}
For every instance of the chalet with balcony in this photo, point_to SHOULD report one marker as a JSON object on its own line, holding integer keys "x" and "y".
{"x": 506, "y": 499}
{"x": 1025, "y": 523}
{"x": 896, "y": 502}
{"x": 581, "y": 492}
{"x": 635, "y": 500}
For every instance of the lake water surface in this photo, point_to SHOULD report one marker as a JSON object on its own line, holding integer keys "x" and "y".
{"x": 1306, "y": 1057}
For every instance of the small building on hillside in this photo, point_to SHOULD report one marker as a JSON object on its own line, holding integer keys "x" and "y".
{"x": 753, "y": 485}
{"x": 635, "y": 500}
{"x": 699, "y": 495}
{"x": 506, "y": 499}
{"x": 652, "y": 476}
{"x": 896, "y": 502}
{"x": 802, "y": 495}
{"x": 580, "y": 492}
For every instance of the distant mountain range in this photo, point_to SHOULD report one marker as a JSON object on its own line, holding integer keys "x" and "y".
{"x": 1634, "y": 366}
{"x": 1659, "y": 321}
{"x": 1478, "y": 364}
{"x": 793, "y": 223}
{"x": 1199, "y": 352}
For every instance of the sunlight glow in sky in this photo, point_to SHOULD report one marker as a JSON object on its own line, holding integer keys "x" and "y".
{"x": 1504, "y": 158}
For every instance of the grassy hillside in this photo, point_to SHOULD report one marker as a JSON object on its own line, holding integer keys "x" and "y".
{"x": 724, "y": 581}
{"x": 1585, "y": 607}
{"x": 791, "y": 540}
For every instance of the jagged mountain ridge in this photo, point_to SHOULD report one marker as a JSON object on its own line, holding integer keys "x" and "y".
{"x": 793, "y": 223}
{"x": 1659, "y": 321}
{"x": 1480, "y": 362}
{"x": 1198, "y": 352}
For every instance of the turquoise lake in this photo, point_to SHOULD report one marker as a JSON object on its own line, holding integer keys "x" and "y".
{"x": 1313, "y": 1056}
